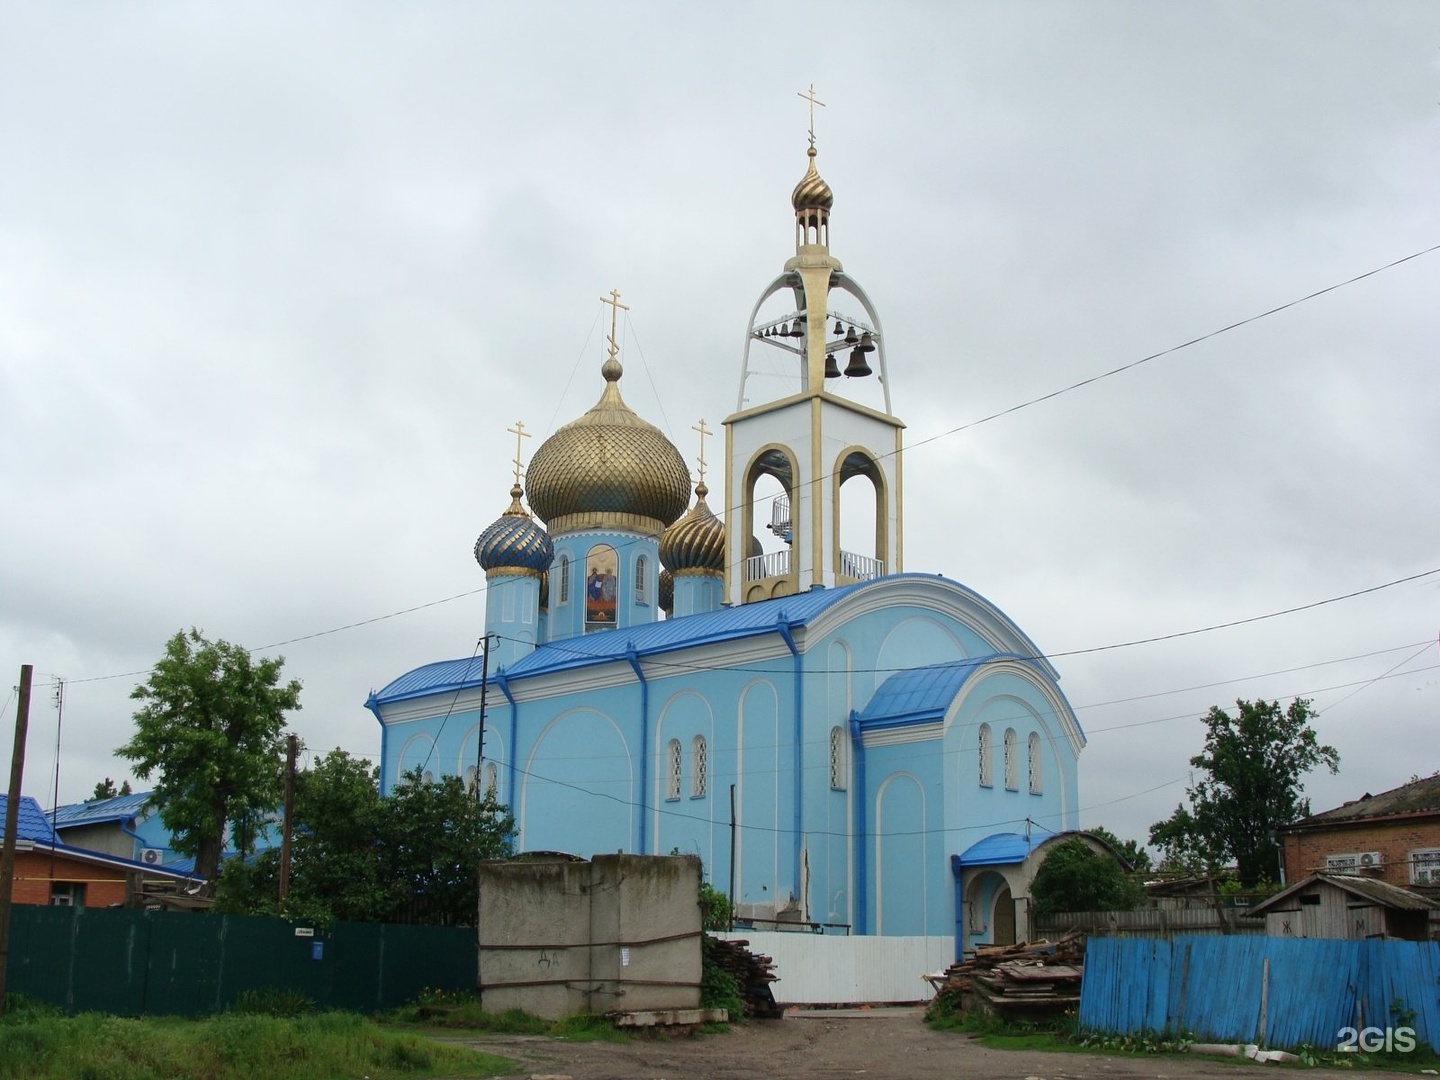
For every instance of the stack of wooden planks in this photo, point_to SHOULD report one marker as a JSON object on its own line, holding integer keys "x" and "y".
{"x": 754, "y": 972}
{"x": 1030, "y": 980}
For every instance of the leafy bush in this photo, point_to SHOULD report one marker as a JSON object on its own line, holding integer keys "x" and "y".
{"x": 1075, "y": 877}
{"x": 718, "y": 988}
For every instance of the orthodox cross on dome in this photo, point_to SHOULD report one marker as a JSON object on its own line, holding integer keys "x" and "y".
{"x": 703, "y": 430}
{"x": 520, "y": 433}
{"x": 810, "y": 97}
{"x": 615, "y": 308}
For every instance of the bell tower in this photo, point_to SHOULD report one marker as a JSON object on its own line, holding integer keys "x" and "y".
{"x": 812, "y": 439}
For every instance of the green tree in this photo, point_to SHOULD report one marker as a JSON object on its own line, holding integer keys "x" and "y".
{"x": 1130, "y": 850}
{"x": 210, "y": 729}
{"x": 411, "y": 856}
{"x": 106, "y": 789}
{"x": 1254, "y": 763}
{"x": 1076, "y": 877}
{"x": 434, "y": 836}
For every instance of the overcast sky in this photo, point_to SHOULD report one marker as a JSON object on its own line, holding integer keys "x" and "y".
{"x": 275, "y": 279}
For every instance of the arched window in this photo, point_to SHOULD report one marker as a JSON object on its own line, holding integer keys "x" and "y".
{"x": 470, "y": 780}
{"x": 563, "y": 595}
{"x": 492, "y": 780}
{"x": 838, "y": 768}
{"x": 987, "y": 757}
{"x": 698, "y": 767}
{"x": 642, "y": 573}
{"x": 1037, "y": 783}
{"x": 673, "y": 768}
{"x": 1012, "y": 761}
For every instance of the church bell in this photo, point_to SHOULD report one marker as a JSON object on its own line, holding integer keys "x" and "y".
{"x": 857, "y": 368}
{"x": 832, "y": 369}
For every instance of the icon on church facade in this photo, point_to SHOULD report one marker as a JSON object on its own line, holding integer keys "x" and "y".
{"x": 601, "y": 581}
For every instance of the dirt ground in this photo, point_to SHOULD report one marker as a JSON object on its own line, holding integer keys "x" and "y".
{"x": 827, "y": 1045}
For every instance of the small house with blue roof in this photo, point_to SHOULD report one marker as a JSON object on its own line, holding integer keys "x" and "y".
{"x": 50, "y": 871}
{"x": 832, "y": 735}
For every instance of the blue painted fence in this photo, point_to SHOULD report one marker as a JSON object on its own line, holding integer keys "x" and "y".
{"x": 1269, "y": 990}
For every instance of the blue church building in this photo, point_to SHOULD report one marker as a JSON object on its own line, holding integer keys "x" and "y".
{"x": 842, "y": 742}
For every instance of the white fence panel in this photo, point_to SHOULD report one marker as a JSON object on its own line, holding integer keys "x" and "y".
{"x": 820, "y": 969}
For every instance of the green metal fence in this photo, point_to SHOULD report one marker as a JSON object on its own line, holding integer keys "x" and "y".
{"x": 133, "y": 963}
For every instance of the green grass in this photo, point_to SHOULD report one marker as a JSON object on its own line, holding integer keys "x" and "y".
{"x": 39, "y": 1044}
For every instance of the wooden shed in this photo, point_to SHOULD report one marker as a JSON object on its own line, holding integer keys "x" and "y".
{"x": 1344, "y": 906}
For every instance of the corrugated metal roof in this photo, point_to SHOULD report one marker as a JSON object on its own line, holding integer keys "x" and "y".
{"x": 1372, "y": 889}
{"x": 99, "y": 811}
{"x": 1003, "y": 849}
{"x": 923, "y": 693}
{"x": 32, "y": 823}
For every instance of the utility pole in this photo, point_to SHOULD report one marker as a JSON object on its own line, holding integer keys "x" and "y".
{"x": 286, "y": 829}
{"x": 480, "y": 798}
{"x": 480, "y": 748}
{"x": 12, "y": 821}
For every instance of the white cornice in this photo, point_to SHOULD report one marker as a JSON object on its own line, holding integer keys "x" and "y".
{"x": 905, "y": 733}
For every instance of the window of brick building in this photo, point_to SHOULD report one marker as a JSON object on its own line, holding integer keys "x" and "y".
{"x": 1425, "y": 866}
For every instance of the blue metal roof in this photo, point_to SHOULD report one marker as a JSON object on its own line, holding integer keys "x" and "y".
{"x": 32, "y": 823}
{"x": 923, "y": 693}
{"x": 607, "y": 646}
{"x": 100, "y": 811}
{"x": 1002, "y": 849}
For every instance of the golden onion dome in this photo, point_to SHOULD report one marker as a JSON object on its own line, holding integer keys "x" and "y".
{"x": 667, "y": 592}
{"x": 608, "y": 469}
{"x": 812, "y": 193}
{"x": 696, "y": 543}
{"x": 514, "y": 544}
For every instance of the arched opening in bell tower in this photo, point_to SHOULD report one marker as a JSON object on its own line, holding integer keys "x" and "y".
{"x": 767, "y": 509}
{"x": 860, "y": 552}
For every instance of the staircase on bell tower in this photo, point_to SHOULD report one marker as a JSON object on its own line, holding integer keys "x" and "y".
{"x": 810, "y": 441}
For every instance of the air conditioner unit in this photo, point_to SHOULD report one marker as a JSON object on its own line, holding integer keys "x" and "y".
{"x": 1370, "y": 859}
{"x": 152, "y": 856}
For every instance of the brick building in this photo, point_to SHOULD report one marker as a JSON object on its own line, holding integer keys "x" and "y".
{"x": 1393, "y": 837}
{"x": 49, "y": 872}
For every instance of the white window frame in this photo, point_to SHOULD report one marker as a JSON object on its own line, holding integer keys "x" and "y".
{"x": 642, "y": 572}
{"x": 674, "y": 769}
{"x": 492, "y": 780}
{"x": 1036, "y": 764}
{"x": 699, "y": 767}
{"x": 564, "y": 592}
{"x": 1425, "y": 866}
{"x": 1012, "y": 760}
{"x": 987, "y": 756}
{"x": 839, "y": 765}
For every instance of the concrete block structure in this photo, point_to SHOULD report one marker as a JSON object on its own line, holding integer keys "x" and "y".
{"x": 618, "y": 934}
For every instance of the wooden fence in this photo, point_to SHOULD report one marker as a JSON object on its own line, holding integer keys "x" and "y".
{"x": 1157, "y": 922}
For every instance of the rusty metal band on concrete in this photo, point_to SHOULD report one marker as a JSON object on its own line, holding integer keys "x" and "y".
{"x": 552, "y": 947}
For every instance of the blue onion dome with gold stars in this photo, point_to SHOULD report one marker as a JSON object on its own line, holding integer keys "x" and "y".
{"x": 812, "y": 193}
{"x": 696, "y": 543}
{"x": 608, "y": 469}
{"x": 514, "y": 544}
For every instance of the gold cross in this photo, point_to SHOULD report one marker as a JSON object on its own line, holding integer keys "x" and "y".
{"x": 615, "y": 307}
{"x": 703, "y": 430}
{"x": 520, "y": 433}
{"x": 810, "y": 97}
